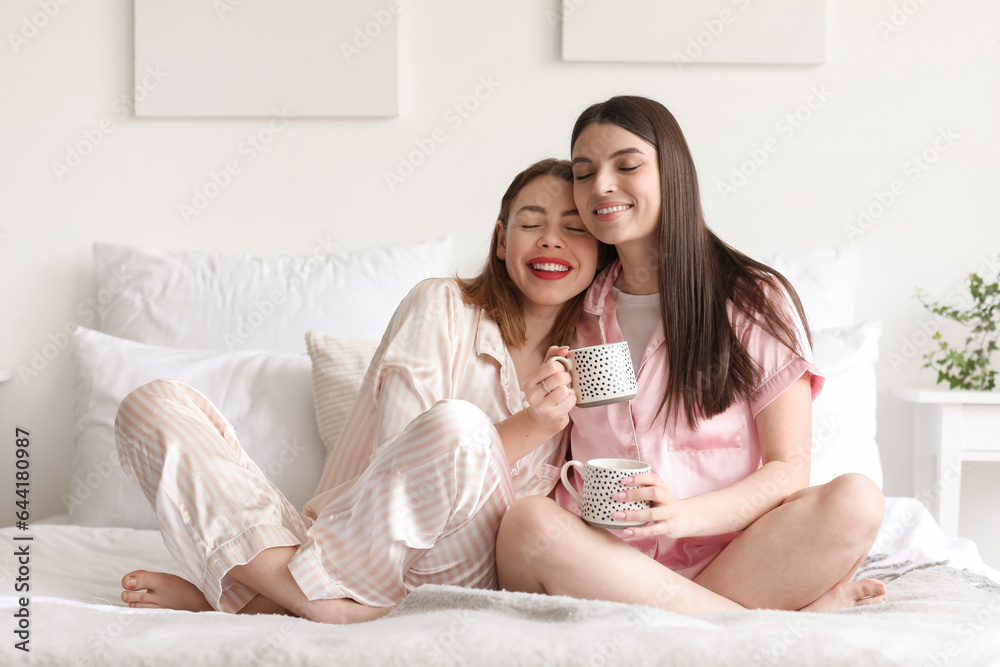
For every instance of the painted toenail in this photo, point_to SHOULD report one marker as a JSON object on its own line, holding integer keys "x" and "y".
{"x": 130, "y": 582}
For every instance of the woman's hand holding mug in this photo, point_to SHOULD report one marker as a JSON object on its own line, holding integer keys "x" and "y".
{"x": 601, "y": 374}
{"x": 549, "y": 394}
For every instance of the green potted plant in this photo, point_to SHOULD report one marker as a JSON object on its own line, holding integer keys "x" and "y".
{"x": 968, "y": 367}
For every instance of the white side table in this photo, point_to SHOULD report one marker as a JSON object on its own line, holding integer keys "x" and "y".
{"x": 950, "y": 428}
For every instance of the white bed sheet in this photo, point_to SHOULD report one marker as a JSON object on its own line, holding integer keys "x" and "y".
{"x": 76, "y": 573}
{"x": 85, "y": 564}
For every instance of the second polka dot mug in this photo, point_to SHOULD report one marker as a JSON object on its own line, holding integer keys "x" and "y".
{"x": 602, "y": 374}
{"x": 601, "y": 481}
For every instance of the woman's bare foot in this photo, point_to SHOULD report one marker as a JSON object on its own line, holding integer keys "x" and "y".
{"x": 162, "y": 591}
{"x": 849, "y": 594}
{"x": 168, "y": 591}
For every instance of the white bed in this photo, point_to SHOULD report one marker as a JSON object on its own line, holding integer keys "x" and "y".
{"x": 941, "y": 602}
{"x": 233, "y": 327}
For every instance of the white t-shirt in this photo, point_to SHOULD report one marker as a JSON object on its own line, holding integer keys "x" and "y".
{"x": 638, "y": 315}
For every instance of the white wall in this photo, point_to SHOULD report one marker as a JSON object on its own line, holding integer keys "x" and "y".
{"x": 889, "y": 96}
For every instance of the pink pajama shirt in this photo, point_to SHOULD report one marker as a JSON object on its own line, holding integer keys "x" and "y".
{"x": 412, "y": 493}
{"x": 722, "y": 451}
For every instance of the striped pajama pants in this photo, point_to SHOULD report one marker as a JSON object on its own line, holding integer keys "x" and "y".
{"x": 426, "y": 510}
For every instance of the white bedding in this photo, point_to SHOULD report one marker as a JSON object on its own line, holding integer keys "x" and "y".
{"x": 942, "y": 607}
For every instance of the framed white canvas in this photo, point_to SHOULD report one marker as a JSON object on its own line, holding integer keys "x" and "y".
{"x": 695, "y": 31}
{"x": 247, "y": 58}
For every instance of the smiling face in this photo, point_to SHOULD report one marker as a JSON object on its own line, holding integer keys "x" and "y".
{"x": 616, "y": 185}
{"x": 550, "y": 255}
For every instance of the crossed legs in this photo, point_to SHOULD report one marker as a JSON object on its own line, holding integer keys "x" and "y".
{"x": 267, "y": 573}
{"x": 801, "y": 555}
{"x": 215, "y": 508}
{"x": 430, "y": 504}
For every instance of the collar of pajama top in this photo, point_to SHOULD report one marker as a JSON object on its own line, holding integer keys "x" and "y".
{"x": 543, "y": 465}
{"x": 490, "y": 342}
{"x": 721, "y": 452}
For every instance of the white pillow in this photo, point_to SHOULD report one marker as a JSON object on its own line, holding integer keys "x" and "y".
{"x": 826, "y": 282}
{"x": 338, "y": 368}
{"x": 227, "y": 301}
{"x": 844, "y": 412}
{"x": 267, "y": 397}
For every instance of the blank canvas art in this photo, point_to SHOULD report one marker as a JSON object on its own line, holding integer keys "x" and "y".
{"x": 695, "y": 31}
{"x": 257, "y": 58}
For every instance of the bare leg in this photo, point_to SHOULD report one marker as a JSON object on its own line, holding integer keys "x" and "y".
{"x": 802, "y": 554}
{"x": 159, "y": 590}
{"x": 267, "y": 573}
{"x": 542, "y": 548}
{"x": 182, "y": 452}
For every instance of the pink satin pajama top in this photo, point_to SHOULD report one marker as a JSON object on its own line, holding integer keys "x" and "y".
{"x": 721, "y": 452}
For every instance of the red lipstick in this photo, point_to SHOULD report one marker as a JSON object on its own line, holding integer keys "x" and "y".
{"x": 549, "y": 268}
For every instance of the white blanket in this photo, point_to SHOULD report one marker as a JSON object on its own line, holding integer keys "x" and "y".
{"x": 936, "y": 615}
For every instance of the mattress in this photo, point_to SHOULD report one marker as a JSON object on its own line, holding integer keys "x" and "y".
{"x": 943, "y": 608}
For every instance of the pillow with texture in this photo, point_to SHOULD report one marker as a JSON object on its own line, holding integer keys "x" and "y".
{"x": 338, "y": 368}
{"x": 826, "y": 282}
{"x": 228, "y": 301}
{"x": 267, "y": 397}
{"x": 843, "y": 433}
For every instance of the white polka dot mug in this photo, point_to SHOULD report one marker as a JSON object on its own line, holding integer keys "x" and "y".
{"x": 601, "y": 481}
{"x": 602, "y": 374}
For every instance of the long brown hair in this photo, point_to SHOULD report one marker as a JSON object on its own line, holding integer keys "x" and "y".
{"x": 698, "y": 276}
{"x": 493, "y": 291}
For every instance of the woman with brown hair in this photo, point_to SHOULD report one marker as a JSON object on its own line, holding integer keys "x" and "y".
{"x": 725, "y": 379}
{"x": 458, "y": 415}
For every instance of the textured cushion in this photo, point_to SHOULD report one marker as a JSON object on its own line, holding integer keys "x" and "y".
{"x": 227, "y": 301}
{"x": 338, "y": 367}
{"x": 267, "y": 397}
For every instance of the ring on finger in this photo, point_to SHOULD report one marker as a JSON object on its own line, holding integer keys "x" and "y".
{"x": 546, "y": 388}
